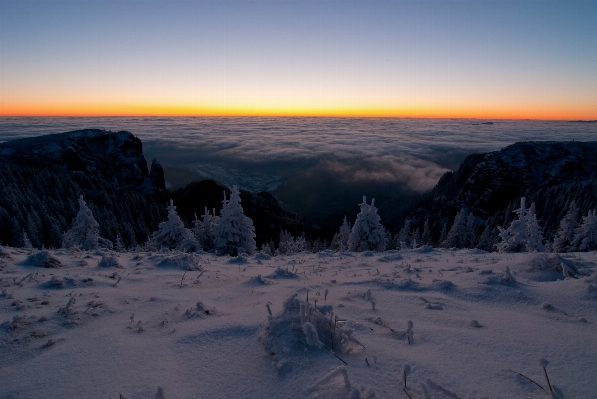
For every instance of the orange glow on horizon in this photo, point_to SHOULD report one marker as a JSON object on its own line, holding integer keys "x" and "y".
{"x": 174, "y": 111}
{"x": 549, "y": 111}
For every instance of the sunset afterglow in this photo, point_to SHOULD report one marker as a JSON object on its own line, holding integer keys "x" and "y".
{"x": 438, "y": 59}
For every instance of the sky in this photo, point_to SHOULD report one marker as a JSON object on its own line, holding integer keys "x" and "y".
{"x": 464, "y": 59}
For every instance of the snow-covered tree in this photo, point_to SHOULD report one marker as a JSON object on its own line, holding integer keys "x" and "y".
{"x": 457, "y": 236}
{"x": 84, "y": 233}
{"x": 234, "y": 233}
{"x": 426, "y": 237}
{"x": 565, "y": 234}
{"x": 172, "y": 234}
{"x": 203, "y": 229}
{"x": 403, "y": 236}
{"x": 367, "y": 234}
{"x": 471, "y": 234}
{"x": 443, "y": 234}
{"x": 118, "y": 245}
{"x": 534, "y": 231}
{"x": 26, "y": 241}
{"x": 415, "y": 238}
{"x": 524, "y": 233}
{"x": 340, "y": 240}
{"x": 585, "y": 238}
{"x": 514, "y": 238}
{"x": 290, "y": 245}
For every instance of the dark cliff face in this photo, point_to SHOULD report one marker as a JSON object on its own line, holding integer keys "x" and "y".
{"x": 42, "y": 177}
{"x": 490, "y": 185}
{"x": 487, "y": 182}
{"x": 114, "y": 156}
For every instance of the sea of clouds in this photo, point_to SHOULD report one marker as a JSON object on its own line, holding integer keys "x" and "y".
{"x": 319, "y": 167}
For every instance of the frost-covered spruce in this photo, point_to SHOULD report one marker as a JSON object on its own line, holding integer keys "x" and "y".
{"x": 535, "y": 234}
{"x": 513, "y": 239}
{"x": 340, "y": 240}
{"x": 426, "y": 237}
{"x": 403, "y": 236}
{"x": 457, "y": 236}
{"x": 84, "y": 233}
{"x": 203, "y": 229}
{"x": 234, "y": 232}
{"x": 524, "y": 234}
{"x": 565, "y": 234}
{"x": 172, "y": 234}
{"x": 585, "y": 238}
{"x": 367, "y": 233}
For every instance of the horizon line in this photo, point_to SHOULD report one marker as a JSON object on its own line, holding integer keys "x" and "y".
{"x": 275, "y": 115}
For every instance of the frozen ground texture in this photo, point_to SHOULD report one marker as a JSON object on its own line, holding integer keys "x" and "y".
{"x": 140, "y": 325}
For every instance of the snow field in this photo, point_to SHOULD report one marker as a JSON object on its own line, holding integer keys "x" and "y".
{"x": 145, "y": 321}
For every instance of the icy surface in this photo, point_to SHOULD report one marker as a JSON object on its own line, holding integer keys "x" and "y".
{"x": 445, "y": 323}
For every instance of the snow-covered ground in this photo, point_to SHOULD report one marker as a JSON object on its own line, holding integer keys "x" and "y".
{"x": 461, "y": 323}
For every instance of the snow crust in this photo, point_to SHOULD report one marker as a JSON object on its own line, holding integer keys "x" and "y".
{"x": 431, "y": 324}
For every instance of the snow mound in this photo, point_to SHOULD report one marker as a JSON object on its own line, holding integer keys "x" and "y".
{"x": 108, "y": 261}
{"x": 507, "y": 278}
{"x": 58, "y": 283}
{"x": 425, "y": 249}
{"x": 336, "y": 384}
{"x": 4, "y": 253}
{"x": 262, "y": 256}
{"x": 283, "y": 273}
{"x": 326, "y": 254}
{"x": 390, "y": 256}
{"x": 301, "y": 325}
{"x": 258, "y": 280}
{"x": 182, "y": 261}
{"x": 551, "y": 267}
{"x": 238, "y": 260}
{"x": 43, "y": 259}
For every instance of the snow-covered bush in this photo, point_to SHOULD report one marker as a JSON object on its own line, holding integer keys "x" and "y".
{"x": 44, "y": 259}
{"x": 234, "y": 233}
{"x": 301, "y": 325}
{"x": 367, "y": 234}
{"x": 172, "y": 234}
{"x": 84, "y": 233}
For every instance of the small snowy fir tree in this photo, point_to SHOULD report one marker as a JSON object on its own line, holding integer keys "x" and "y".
{"x": 26, "y": 241}
{"x": 340, "y": 240}
{"x": 367, "y": 234}
{"x": 565, "y": 234}
{"x": 403, "y": 236}
{"x": 524, "y": 233}
{"x": 286, "y": 243}
{"x": 203, "y": 229}
{"x": 471, "y": 234}
{"x": 457, "y": 236}
{"x": 172, "y": 234}
{"x": 534, "y": 233}
{"x": 443, "y": 235}
{"x": 84, "y": 233}
{"x": 234, "y": 233}
{"x": 585, "y": 238}
{"x": 514, "y": 238}
{"x": 415, "y": 239}
{"x": 118, "y": 245}
{"x": 426, "y": 237}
